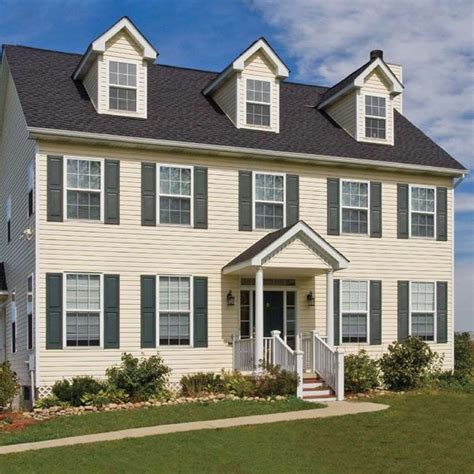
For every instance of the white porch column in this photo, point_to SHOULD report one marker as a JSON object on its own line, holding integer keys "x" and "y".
{"x": 258, "y": 317}
{"x": 330, "y": 307}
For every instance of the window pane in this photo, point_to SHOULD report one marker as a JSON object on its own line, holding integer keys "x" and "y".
{"x": 175, "y": 181}
{"x": 375, "y": 106}
{"x": 82, "y": 329}
{"x": 258, "y": 114}
{"x": 174, "y": 329}
{"x": 374, "y": 128}
{"x": 422, "y": 296}
{"x": 354, "y": 221}
{"x": 354, "y": 328}
{"x": 83, "y": 205}
{"x": 355, "y": 194}
{"x": 422, "y": 326}
{"x": 269, "y": 187}
{"x": 258, "y": 91}
{"x": 422, "y": 199}
{"x": 268, "y": 216}
{"x": 422, "y": 225}
{"x": 175, "y": 294}
{"x": 123, "y": 74}
{"x": 354, "y": 296}
{"x": 175, "y": 210}
{"x": 82, "y": 292}
{"x": 123, "y": 99}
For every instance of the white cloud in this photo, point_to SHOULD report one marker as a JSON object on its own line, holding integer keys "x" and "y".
{"x": 464, "y": 202}
{"x": 464, "y": 288}
{"x": 432, "y": 40}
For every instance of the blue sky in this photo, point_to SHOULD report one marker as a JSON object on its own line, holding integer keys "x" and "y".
{"x": 321, "y": 42}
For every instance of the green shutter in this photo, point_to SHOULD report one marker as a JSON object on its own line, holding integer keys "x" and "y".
{"x": 403, "y": 310}
{"x": 200, "y": 198}
{"x": 148, "y": 311}
{"x": 441, "y": 214}
{"x": 402, "y": 211}
{"x": 333, "y": 206}
{"x": 337, "y": 312}
{"x": 111, "y": 311}
{"x": 376, "y": 209}
{"x": 200, "y": 311}
{"x": 442, "y": 311}
{"x": 375, "y": 312}
{"x": 112, "y": 192}
{"x": 148, "y": 194}
{"x": 245, "y": 200}
{"x": 292, "y": 199}
{"x": 54, "y": 311}
{"x": 55, "y": 189}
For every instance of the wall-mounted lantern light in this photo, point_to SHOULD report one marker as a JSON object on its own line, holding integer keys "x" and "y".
{"x": 230, "y": 299}
{"x": 310, "y": 299}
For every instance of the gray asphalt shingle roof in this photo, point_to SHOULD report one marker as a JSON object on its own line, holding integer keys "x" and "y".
{"x": 178, "y": 111}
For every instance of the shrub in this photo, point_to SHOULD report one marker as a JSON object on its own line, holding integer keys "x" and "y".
{"x": 409, "y": 364}
{"x": 236, "y": 383}
{"x": 200, "y": 383}
{"x": 51, "y": 401}
{"x": 104, "y": 397}
{"x": 72, "y": 392}
{"x": 463, "y": 356}
{"x": 8, "y": 385}
{"x": 140, "y": 379}
{"x": 275, "y": 381}
{"x": 361, "y": 373}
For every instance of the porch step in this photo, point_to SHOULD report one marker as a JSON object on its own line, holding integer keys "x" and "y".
{"x": 319, "y": 398}
{"x": 316, "y": 390}
{"x": 308, "y": 392}
{"x": 313, "y": 385}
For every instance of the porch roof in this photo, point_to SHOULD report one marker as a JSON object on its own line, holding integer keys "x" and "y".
{"x": 260, "y": 252}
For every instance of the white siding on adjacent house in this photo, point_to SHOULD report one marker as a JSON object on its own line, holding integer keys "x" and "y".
{"x": 17, "y": 152}
{"x": 132, "y": 250}
{"x": 226, "y": 98}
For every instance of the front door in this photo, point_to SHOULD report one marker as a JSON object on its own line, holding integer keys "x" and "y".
{"x": 273, "y": 310}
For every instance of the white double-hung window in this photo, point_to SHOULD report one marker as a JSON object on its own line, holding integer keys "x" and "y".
{"x": 83, "y": 310}
{"x": 258, "y": 102}
{"x": 84, "y": 189}
{"x": 354, "y": 311}
{"x": 269, "y": 202}
{"x": 175, "y": 310}
{"x": 175, "y": 195}
{"x": 122, "y": 86}
{"x": 422, "y": 310}
{"x": 375, "y": 117}
{"x": 355, "y": 207}
{"x": 422, "y": 211}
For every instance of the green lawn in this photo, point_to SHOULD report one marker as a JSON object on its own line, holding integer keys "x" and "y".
{"x": 419, "y": 433}
{"x": 122, "y": 420}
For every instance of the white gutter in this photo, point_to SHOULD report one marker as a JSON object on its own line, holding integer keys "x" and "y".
{"x": 171, "y": 145}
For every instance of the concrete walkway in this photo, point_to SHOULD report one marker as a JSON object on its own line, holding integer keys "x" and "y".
{"x": 332, "y": 409}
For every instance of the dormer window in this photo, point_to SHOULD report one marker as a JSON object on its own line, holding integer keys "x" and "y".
{"x": 375, "y": 117}
{"x": 122, "y": 86}
{"x": 258, "y": 102}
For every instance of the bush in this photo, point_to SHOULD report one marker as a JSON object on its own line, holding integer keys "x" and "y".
{"x": 236, "y": 384}
{"x": 104, "y": 397}
{"x": 463, "y": 356}
{"x": 140, "y": 379}
{"x": 361, "y": 373}
{"x": 51, "y": 401}
{"x": 409, "y": 364}
{"x": 198, "y": 384}
{"x": 275, "y": 381}
{"x": 8, "y": 385}
{"x": 72, "y": 392}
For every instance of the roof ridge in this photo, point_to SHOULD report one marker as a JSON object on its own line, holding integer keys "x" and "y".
{"x": 40, "y": 49}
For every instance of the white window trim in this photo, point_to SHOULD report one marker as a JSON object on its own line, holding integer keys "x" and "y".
{"x": 254, "y": 200}
{"x": 387, "y": 104}
{"x": 66, "y": 189}
{"x": 251, "y": 125}
{"x": 101, "y": 313}
{"x": 284, "y": 290}
{"x": 13, "y": 319}
{"x": 341, "y": 312}
{"x": 410, "y": 211}
{"x": 31, "y": 188}
{"x": 191, "y": 313}
{"x": 158, "y": 195}
{"x": 435, "y": 311}
{"x": 341, "y": 206}
{"x": 32, "y": 293}
{"x": 109, "y": 85}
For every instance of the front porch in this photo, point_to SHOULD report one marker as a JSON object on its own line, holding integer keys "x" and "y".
{"x": 269, "y": 330}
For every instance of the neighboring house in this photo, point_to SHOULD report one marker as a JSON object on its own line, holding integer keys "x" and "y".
{"x": 147, "y": 207}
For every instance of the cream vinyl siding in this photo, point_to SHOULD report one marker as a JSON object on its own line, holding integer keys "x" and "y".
{"x": 258, "y": 67}
{"x": 91, "y": 83}
{"x": 226, "y": 98}
{"x": 122, "y": 48}
{"x": 132, "y": 250}
{"x": 375, "y": 84}
{"x": 397, "y": 100}
{"x": 344, "y": 112}
{"x": 16, "y": 154}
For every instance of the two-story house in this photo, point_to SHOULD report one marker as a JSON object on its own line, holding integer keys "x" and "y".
{"x": 147, "y": 207}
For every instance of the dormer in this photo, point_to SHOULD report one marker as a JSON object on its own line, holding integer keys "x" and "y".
{"x": 363, "y": 103}
{"x": 248, "y": 90}
{"x": 114, "y": 70}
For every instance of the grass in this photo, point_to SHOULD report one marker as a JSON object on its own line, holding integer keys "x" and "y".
{"x": 136, "y": 418}
{"x": 419, "y": 433}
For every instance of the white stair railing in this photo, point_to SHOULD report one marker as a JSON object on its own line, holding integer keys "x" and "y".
{"x": 329, "y": 364}
{"x": 307, "y": 348}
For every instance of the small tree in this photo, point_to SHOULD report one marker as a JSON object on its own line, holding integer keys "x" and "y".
{"x": 360, "y": 372}
{"x": 409, "y": 364}
{"x": 463, "y": 355}
{"x": 8, "y": 385}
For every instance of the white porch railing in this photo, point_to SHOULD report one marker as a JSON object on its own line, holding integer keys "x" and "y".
{"x": 243, "y": 354}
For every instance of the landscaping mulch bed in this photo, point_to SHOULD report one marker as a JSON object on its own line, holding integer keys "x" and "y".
{"x": 14, "y": 421}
